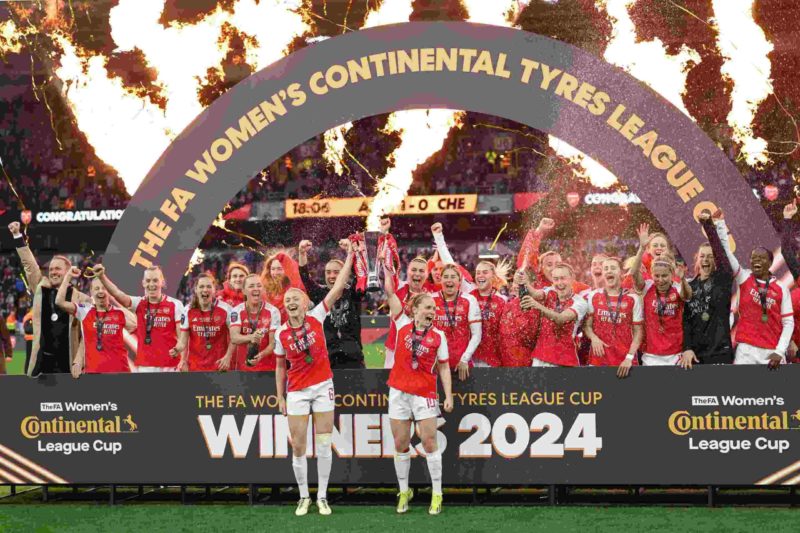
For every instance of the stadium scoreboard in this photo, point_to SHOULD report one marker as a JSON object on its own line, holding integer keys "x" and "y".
{"x": 360, "y": 207}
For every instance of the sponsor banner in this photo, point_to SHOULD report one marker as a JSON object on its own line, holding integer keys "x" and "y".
{"x": 90, "y": 215}
{"x": 713, "y": 425}
{"x": 359, "y": 207}
{"x": 611, "y": 198}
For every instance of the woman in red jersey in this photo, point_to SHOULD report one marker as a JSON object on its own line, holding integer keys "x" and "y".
{"x": 204, "y": 341}
{"x": 421, "y": 354}
{"x": 300, "y": 341}
{"x": 562, "y": 312}
{"x": 489, "y": 280}
{"x": 102, "y": 327}
{"x": 253, "y": 326}
{"x": 518, "y": 327}
{"x": 158, "y": 319}
{"x": 663, "y": 300}
{"x": 458, "y": 316}
{"x": 766, "y": 321}
{"x": 614, "y": 321}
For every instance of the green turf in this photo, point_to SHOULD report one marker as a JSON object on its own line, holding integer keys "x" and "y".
{"x": 15, "y": 365}
{"x": 374, "y": 355}
{"x": 217, "y": 518}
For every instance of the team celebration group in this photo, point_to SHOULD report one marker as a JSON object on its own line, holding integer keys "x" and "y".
{"x": 444, "y": 321}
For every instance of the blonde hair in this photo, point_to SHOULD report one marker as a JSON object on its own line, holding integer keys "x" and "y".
{"x": 417, "y": 299}
{"x": 153, "y": 268}
{"x": 697, "y": 259}
{"x": 567, "y": 267}
{"x": 453, "y": 267}
{"x": 501, "y": 271}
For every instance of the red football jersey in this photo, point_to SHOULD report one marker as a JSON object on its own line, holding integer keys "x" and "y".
{"x": 491, "y": 311}
{"x": 613, "y": 318}
{"x": 750, "y": 329}
{"x": 556, "y": 344}
{"x": 165, "y": 318}
{"x": 518, "y": 331}
{"x": 663, "y": 332}
{"x": 207, "y": 328}
{"x": 454, "y": 319}
{"x": 418, "y": 376}
{"x": 269, "y": 319}
{"x": 300, "y": 344}
{"x": 114, "y": 355}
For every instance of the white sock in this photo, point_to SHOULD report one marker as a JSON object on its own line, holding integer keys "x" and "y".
{"x": 324, "y": 460}
{"x": 300, "y": 467}
{"x": 402, "y": 464}
{"x": 435, "y": 470}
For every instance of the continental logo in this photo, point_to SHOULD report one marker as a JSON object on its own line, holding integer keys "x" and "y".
{"x": 683, "y": 422}
{"x": 33, "y": 427}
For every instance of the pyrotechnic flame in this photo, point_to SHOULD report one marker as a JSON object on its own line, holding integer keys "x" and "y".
{"x": 648, "y": 61}
{"x": 423, "y": 131}
{"x": 197, "y": 258}
{"x": 113, "y": 118}
{"x": 10, "y": 38}
{"x": 586, "y": 167}
{"x": 497, "y": 12}
{"x": 746, "y": 50}
{"x": 335, "y": 144}
{"x": 389, "y": 12}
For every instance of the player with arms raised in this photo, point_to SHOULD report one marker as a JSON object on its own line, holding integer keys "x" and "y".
{"x": 158, "y": 319}
{"x": 766, "y": 319}
{"x": 663, "y": 300}
{"x": 300, "y": 341}
{"x": 102, "y": 327}
{"x": 421, "y": 353}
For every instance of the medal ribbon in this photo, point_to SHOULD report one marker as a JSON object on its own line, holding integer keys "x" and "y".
{"x": 451, "y": 319}
{"x": 307, "y": 348}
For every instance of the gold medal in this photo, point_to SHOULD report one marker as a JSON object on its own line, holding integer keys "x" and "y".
{"x": 705, "y": 317}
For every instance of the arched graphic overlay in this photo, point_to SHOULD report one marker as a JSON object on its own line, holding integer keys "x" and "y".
{"x": 658, "y": 152}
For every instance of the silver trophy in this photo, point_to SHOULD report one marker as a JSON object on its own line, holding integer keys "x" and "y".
{"x": 373, "y": 262}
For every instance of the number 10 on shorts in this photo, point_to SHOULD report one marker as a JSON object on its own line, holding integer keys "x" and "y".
{"x": 510, "y": 436}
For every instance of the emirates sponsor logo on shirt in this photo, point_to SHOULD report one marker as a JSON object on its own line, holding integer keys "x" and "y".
{"x": 161, "y": 321}
{"x": 304, "y": 343}
{"x": 757, "y": 298}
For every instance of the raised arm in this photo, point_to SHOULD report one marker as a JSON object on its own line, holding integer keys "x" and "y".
{"x": 61, "y": 295}
{"x": 788, "y": 248}
{"x": 722, "y": 233}
{"x": 341, "y": 282}
{"x": 29, "y": 264}
{"x": 123, "y": 298}
{"x": 720, "y": 257}
{"x": 643, "y": 232}
{"x": 395, "y": 305}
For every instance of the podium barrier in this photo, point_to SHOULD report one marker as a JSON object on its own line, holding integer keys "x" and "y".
{"x": 661, "y": 426}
